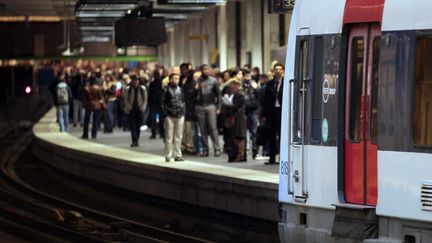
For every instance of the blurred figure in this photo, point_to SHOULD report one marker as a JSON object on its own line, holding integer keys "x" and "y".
{"x": 173, "y": 106}
{"x": 154, "y": 100}
{"x": 135, "y": 101}
{"x": 271, "y": 113}
{"x": 110, "y": 99}
{"x": 63, "y": 97}
{"x": 77, "y": 87}
{"x": 235, "y": 121}
{"x": 188, "y": 84}
{"x": 250, "y": 88}
{"x": 207, "y": 107}
{"x": 93, "y": 99}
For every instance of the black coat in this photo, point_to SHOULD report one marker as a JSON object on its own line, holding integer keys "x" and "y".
{"x": 237, "y": 109}
{"x": 173, "y": 102}
{"x": 155, "y": 94}
{"x": 190, "y": 98}
{"x": 269, "y": 109}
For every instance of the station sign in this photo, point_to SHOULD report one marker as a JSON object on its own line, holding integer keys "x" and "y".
{"x": 280, "y": 6}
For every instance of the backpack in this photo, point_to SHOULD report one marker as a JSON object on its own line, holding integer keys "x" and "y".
{"x": 62, "y": 95}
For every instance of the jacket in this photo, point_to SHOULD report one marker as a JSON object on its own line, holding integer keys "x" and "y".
{"x": 237, "y": 109}
{"x": 269, "y": 108}
{"x": 208, "y": 92}
{"x": 93, "y": 97}
{"x": 129, "y": 98}
{"x": 173, "y": 102}
{"x": 190, "y": 98}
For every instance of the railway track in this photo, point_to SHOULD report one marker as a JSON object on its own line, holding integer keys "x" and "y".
{"x": 38, "y": 216}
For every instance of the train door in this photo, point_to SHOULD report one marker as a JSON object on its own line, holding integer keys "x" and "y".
{"x": 299, "y": 104}
{"x": 361, "y": 114}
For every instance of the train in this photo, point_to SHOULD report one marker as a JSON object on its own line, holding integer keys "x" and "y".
{"x": 356, "y": 135}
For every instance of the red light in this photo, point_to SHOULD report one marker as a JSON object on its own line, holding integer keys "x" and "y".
{"x": 28, "y": 90}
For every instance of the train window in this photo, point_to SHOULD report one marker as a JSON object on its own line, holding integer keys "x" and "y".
{"x": 300, "y": 91}
{"x": 317, "y": 89}
{"x": 422, "y": 120}
{"x": 357, "y": 60}
{"x": 374, "y": 89}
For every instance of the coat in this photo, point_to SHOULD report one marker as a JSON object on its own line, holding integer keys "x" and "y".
{"x": 129, "y": 97}
{"x": 269, "y": 109}
{"x": 190, "y": 99}
{"x": 173, "y": 102}
{"x": 237, "y": 109}
{"x": 93, "y": 97}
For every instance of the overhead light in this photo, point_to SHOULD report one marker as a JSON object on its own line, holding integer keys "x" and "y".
{"x": 96, "y": 14}
{"x": 120, "y": 51}
{"x": 171, "y": 16}
{"x": 67, "y": 52}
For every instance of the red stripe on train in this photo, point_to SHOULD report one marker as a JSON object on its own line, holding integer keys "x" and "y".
{"x": 363, "y": 11}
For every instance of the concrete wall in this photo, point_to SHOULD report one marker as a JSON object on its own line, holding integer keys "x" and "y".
{"x": 218, "y": 29}
{"x": 30, "y": 39}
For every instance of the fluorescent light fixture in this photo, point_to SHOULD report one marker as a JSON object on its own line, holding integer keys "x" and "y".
{"x": 171, "y": 16}
{"x": 102, "y": 7}
{"x": 96, "y": 28}
{"x": 96, "y": 39}
{"x": 97, "y": 14}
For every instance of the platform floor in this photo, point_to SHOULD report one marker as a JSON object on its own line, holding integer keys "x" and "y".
{"x": 122, "y": 139}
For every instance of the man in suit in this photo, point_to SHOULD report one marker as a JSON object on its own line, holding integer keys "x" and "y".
{"x": 271, "y": 114}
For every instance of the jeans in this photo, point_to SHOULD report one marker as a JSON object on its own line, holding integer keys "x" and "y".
{"x": 109, "y": 116}
{"x": 78, "y": 112}
{"x": 197, "y": 146}
{"x": 207, "y": 121}
{"x": 63, "y": 117}
{"x": 253, "y": 122}
{"x": 173, "y": 136}
{"x": 96, "y": 118}
{"x": 135, "y": 122}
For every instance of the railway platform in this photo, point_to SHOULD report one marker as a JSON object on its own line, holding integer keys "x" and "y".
{"x": 249, "y": 189}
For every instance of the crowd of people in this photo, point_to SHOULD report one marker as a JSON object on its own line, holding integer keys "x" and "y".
{"x": 184, "y": 106}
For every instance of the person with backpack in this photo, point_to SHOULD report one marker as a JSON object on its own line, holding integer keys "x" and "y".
{"x": 135, "y": 103}
{"x": 63, "y": 96}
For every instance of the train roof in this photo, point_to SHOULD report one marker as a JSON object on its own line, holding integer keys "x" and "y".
{"x": 317, "y": 17}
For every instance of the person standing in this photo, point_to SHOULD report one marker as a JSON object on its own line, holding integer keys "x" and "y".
{"x": 271, "y": 113}
{"x": 135, "y": 102}
{"x": 173, "y": 107}
{"x": 207, "y": 107}
{"x": 235, "y": 121}
{"x": 63, "y": 97}
{"x": 93, "y": 101}
{"x": 187, "y": 83}
{"x": 154, "y": 102}
{"x": 252, "y": 104}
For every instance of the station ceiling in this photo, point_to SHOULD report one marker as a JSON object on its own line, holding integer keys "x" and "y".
{"x": 94, "y": 19}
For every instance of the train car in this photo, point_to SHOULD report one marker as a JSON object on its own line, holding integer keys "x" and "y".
{"x": 356, "y": 143}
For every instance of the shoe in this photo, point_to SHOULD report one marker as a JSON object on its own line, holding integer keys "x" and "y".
{"x": 167, "y": 159}
{"x": 152, "y": 137}
{"x": 204, "y": 154}
{"x": 134, "y": 144}
{"x": 178, "y": 159}
{"x": 217, "y": 153}
{"x": 84, "y": 137}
